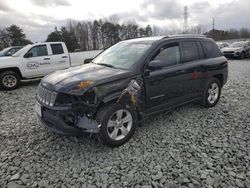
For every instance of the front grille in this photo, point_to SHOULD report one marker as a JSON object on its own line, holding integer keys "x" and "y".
{"x": 228, "y": 52}
{"x": 46, "y": 96}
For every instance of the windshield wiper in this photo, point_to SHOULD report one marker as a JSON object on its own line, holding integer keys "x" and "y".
{"x": 107, "y": 65}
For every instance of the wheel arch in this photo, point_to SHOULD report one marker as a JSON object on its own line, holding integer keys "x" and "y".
{"x": 15, "y": 69}
{"x": 220, "y": 77}
{"x": 113, "y": 98}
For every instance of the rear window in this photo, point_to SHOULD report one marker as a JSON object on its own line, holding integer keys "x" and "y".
{"x": 56, "y": 49}
{"x": 190, "y": 51}
{"x": 211, "y": 50}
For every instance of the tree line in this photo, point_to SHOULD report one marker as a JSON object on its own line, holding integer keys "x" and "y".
{"x": 101, "y": 34}
{"x": 96, "y": 35}
{"x": 242, "y": 33}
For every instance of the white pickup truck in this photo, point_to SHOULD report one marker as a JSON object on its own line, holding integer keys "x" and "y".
{"x": 38, "y": 60}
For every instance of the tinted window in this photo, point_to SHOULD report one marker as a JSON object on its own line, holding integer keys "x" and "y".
{"x": 201, "y": 52}
{"x": 169, "y": 55}
{"x": 39, "y": 51}
{"x": 211, "y": 49}
{"x": 57, "y": 49}
{"x": 190, "y": 51}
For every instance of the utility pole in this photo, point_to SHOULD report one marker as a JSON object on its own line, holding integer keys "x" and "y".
{"x": 213, "y": 23}
{"x": 185, "y": 20}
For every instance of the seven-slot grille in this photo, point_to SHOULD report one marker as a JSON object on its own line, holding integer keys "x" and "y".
{"x": 46, "y": 96}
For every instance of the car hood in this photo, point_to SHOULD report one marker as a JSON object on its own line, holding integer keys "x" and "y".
{"x": 3, "y": 58}
{"x": 7, "y": 61}
{"x": 66, "y": 80}
{"x": 230, "y": 49}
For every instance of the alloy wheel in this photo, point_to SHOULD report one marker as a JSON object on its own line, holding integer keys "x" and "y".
{"x": 119, "y": 124}
{"x": 213, "y": 93}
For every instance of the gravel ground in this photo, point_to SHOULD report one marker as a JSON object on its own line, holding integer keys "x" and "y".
{"x": 189, "y": 147}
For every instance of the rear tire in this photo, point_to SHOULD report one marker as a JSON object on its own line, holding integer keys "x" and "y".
{"x": 118, "y": 124}
{"x": 211, "y": 94}
{"x": 9, "y": 80}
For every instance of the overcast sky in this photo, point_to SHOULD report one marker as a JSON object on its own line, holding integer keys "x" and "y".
{"x": 39, "y": 17}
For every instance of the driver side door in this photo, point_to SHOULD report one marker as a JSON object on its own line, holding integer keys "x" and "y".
{"x": 37, "y": 62}
{"x": 165, "y": 86}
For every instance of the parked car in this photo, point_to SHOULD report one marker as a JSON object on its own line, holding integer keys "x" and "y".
{"x": 38, "y": 60}
{"x": 237, "y": 50}
{"x": 222, "y": 44}
{"x": 10, "y": 51}
{"x": 130, "y": 81}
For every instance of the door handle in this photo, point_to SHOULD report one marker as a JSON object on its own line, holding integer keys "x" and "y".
{"x": 46, "y": 58}
{"x": 64, "y": 56}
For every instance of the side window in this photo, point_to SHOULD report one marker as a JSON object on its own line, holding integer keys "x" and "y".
{"x": 190, "y": 51}
{"x": 168, "y": 55}
{"x": 56, "y": 49}
{"x": 38, "y": 51}
{"x": 211, "y": 49}
{"x": 201, "y": 52}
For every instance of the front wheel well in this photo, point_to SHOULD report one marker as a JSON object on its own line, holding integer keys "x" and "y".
{"x": 14, "y": 69}
{"x": 102, "y": 104}
{"x": 113, "y": 101}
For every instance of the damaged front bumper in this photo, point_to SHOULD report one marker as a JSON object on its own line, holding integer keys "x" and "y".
{"x": 63, "y": 120}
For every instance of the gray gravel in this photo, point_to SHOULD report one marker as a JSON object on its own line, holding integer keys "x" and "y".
{"x": 189, "y": 147}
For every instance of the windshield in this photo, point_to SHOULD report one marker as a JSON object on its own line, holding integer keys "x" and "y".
{"x": 18, "y": 53}
{"x": 4, "y": 51}
{"x": 122, "y": 55}
{"x": 238, "y": 44}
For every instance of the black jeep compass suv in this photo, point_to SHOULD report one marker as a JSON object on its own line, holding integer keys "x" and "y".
{"x": 135, "y": 78}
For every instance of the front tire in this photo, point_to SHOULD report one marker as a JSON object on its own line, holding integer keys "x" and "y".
{"x": 9, "y": 80}
{"x": 211, "y": 93}
{"x": 118, "y": 124}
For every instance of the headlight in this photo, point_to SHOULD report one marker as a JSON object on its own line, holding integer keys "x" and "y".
{"x": 89, "y": 98}
{"x": 63, "y": 99}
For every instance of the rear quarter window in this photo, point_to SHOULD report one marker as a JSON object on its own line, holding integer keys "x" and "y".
{"x": 211, "y": 50}
{"x": 57, "y": 49}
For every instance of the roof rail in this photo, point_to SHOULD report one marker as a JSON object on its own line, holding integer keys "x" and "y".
{"x": 185, "y": 35}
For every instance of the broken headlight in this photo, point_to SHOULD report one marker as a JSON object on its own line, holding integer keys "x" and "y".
{"x": 63, "y": 99}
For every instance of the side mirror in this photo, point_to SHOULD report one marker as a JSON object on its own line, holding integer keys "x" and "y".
{"x": 28, "y": 55}
{"x": 155, "y": 64}
{"x": 86, "y": 61}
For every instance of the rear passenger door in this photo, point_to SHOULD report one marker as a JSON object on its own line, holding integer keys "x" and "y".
{"x": 192, "y": 59}
{"x": 60, "y": 59}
